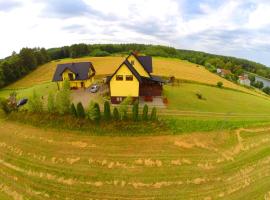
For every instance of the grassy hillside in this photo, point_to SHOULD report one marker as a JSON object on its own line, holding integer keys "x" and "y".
{"x": 183, "y": 97}
{"x": 107, "y": 65}
{"x": 39, "y": 164}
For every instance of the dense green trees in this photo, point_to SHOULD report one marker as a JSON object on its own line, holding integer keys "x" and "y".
{"x": 17, "y": 65}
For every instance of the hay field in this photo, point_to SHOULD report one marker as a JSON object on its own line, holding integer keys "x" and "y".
{"x": 39, "y": 164}
{"x": 107, "y": 65}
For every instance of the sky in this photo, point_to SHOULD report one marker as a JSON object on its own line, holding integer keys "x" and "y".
{"x": 237, "y": 28}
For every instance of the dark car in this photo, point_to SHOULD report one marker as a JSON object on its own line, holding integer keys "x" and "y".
{"x": 22, "y": 102}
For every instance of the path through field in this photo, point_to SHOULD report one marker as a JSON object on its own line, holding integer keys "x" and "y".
{"x": 46, "y": 164}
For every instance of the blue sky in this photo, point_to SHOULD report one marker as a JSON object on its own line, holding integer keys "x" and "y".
{"x": 229, "y": 27}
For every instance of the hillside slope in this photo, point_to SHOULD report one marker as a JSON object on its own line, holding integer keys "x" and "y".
{"x": 107, "y": 65}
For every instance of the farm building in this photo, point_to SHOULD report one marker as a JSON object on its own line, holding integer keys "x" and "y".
{"x": 80, "y": 75}
{"x": 244, "y": 80}
{"x": 223, "y": 72}
{"x": 133, "y": 78}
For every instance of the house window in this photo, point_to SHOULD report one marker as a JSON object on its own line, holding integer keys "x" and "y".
{"x": 129, "y": 78}
{"x": 119, "y": 99}
{"x": 70, "y": 76}
{"x": 119, "y": 77}
{"x": 132, "y": 62}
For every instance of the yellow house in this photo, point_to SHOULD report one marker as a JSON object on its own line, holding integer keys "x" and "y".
{"x": 80, "y": 75}
{"x": 133, "y": 78}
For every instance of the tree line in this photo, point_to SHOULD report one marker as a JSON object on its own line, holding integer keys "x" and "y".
{"x": 18, "y": 65}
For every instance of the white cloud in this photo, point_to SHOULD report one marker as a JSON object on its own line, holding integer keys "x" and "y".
{"x": 226, "y": 27}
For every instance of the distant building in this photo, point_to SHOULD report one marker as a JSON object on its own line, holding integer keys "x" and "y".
{"x": 223, "y": 72}
{"x": 244, "y": 80}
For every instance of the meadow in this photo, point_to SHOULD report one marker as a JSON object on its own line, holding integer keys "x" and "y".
{"x": 39, "y": 164}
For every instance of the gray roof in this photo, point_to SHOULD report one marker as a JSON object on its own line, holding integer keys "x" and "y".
{"x": 146, "y": 61}
{"x": 81, "y": 70}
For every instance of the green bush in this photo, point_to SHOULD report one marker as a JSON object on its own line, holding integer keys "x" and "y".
{"x": 4, "y": 106}
{"x": 123, "y": 109}
{"x": 266, "y": 90}
{"x": 73, "y": 110}
{"x": 99, "y": 53}
{"x": 219, "y": 84}
{"x": 107, "y": 111}
{"x": 51, "y": 103}
{"x": 63, "y": 101}
{"x": 93, "y": 112}
{"x": 135, "y": 112}
{"x": 35, "y": 103}
{"x": 116, "y": 115}
{"x": 80, "y": 110}
{"x": 97, "y": 112}
{"x": 145, "y": 113}
{"x": 154, "y": 114}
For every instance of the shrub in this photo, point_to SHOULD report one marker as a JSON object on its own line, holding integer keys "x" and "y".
{"x": 97, "y": 112}
{"x": 123, "y": 109}
{"x": 63, "y": 101}
{"x": 99, "y": 53}
{"x": 93, "y": 112}
{"x": 135, "y": 112}
{"x": 80, "y": 110}
{"x": 73, "y": 110}
{"x": 35, "y": 104}
{"x": 199, "y": 95}
{"x": 154, "y": 114}
{"x": 219, "y": 84}
{"x": 4, "y": 106}
{"x": 107, "y": 111}
{"x": 145, "y": 113}
{"x": 116, "y": 115}
{"x": 266, "y": 90}
{"x": 51, "y": 103}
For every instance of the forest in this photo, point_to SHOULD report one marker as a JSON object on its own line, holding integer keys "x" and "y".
{"x": 19, "y": 64}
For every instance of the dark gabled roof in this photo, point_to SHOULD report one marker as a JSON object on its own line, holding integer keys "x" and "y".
{"x": 81, "y": 70}
{"x": 131, "y": 68}
{"x": 146, "y": 61}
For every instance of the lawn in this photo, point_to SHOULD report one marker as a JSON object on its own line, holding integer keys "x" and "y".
{"x": 40, "y": 164}
{"x": 214, "y": 99}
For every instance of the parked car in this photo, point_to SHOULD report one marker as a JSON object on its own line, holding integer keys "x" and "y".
{"x": 94, "y": 88}
{"x": 22, "y": 102}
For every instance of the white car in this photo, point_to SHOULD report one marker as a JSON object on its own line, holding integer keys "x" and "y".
{"x": 94, "y": 88}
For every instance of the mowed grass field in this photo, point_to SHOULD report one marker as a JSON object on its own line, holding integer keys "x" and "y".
{"x": 40, "y": 164}
{"x": 107, "y": 65}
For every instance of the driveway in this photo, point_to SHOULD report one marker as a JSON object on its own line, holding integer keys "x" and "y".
{"x": 85, "y": 96}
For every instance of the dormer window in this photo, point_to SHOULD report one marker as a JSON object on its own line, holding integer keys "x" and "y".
{"x": 119, "y": 77}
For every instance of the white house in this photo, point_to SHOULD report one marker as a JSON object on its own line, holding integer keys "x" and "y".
{"x": 244, "y": 80}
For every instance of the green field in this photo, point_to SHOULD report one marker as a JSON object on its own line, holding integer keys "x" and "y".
{"x": 46, "y": 164}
